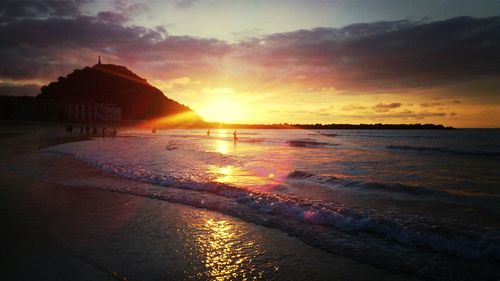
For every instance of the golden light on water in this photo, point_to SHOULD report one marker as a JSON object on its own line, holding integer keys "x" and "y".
{"x": 224, "y": 174}
{"x": 239, "y": 177}
{"x": 225, "y": 257}
{"x": 222, "y": 146}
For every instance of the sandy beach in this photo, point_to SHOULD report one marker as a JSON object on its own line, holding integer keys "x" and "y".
{"x": 59, "y": 224}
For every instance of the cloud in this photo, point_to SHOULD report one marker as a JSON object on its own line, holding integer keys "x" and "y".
{"x": 12, "y": 10}
{"x": 112, "y": 17}
{"x": 385, "y": 107}
{"x": 184, "y": 4}
{"x": 405, "y": 114}
{"x": 11, "y": 89}
{"x": 385, "y": 55}
{"x": 308, "y": 113}
{"x": 47, "y": 48}
{"x": 431, "y": 104}
{"x": 352, "y": 107}
{"x": 128, "y": 9}
{"x": 437, "y": 104}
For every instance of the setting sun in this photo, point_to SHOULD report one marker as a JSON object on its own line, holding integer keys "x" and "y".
{"x": 222, "y": 110}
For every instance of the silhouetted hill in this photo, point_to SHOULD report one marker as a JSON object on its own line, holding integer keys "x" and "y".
{"x": 113, "y": 84}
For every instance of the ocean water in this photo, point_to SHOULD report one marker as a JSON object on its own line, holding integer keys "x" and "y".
{"x": 425, "y": 203}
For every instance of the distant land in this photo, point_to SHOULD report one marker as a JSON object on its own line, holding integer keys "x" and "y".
{"x": 378, "y": 126}
{"x": 108, "y": 93}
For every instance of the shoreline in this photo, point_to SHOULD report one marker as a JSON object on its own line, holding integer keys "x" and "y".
{"x": 59, "y": 217}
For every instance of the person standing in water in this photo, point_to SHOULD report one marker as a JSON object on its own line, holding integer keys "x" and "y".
{"x": 208, "y": 133}
{"x": 235, "y": 136}
{"x": 69, "y": 130}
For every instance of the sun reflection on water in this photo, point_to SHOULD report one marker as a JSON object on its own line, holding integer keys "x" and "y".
{"x": 224, "y": 174}
{"x": 225, "y": 254}
{"x": 222, "y": 146}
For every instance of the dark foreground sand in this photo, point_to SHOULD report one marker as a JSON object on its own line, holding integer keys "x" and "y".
{"x": 57, "y": 225}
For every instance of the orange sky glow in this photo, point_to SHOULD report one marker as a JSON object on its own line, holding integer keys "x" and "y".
{"x": 255, "y": 62}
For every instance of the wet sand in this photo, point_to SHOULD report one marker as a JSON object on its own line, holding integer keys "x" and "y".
{"x": 58, "y": 225}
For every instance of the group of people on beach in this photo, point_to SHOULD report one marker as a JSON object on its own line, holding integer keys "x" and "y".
{"x": 90, "y": 131}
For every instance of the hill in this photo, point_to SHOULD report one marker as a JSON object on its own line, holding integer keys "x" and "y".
{"x": 113, "y": 84}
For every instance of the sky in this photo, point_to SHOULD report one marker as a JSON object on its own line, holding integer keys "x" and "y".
{"x": 274, "y": 61}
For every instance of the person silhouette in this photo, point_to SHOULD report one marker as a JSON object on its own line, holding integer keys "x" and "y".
{"x": 208, "y": 133}
{"x": 235, "y": 136}
{"x": 69, "y": 130}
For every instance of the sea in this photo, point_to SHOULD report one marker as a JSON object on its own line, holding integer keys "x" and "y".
{"x": 419, "y": 202}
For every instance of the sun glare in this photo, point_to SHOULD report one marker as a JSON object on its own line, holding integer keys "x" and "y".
{"x": 222, "y": 110}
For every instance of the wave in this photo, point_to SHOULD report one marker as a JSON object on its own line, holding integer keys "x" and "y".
{"x": 430, "y": 149}
{"x": 385, "y": 187}
{"x": 408, "y": 230}
{"x": 171, "y": 146}
{"x": 299, "y": 175}
{"x": 397, "y": 242}
{"x": 394, "y": 136}
{"x": 249, "y": 140}
{"x": 391, "y": 240}
{"x": 303, "y": 143}
{"x": 323, "y": 134}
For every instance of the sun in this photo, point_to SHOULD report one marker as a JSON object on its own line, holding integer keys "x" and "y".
{"x": 222, "y": 110}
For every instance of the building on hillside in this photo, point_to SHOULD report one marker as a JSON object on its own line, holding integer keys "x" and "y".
{"x": 93, "y": 112}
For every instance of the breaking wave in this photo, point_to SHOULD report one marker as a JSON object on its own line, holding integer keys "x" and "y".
{"x": 303, "y": 143}
{"x": 405, "y": 229}
{"x": 430, "y": 149}
{"x": 384, "y": 187}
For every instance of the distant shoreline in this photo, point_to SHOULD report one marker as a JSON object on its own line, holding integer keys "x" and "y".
{"x": 336, "y": 126}
{"x": 214, "y": 125}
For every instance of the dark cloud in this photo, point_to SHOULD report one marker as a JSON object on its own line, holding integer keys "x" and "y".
{"x": 438, "y": 104}
{"x": 10, "y": 89}
{"x": 12, "y": 10}
{"x": 352, "y": 107}
{"x": 386, "y": 55}
{"x": 430, "y": 104}
{"x": 47, "y": 48}
{"x": 111, "y": 17}
{"x": 381, "y": 107}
